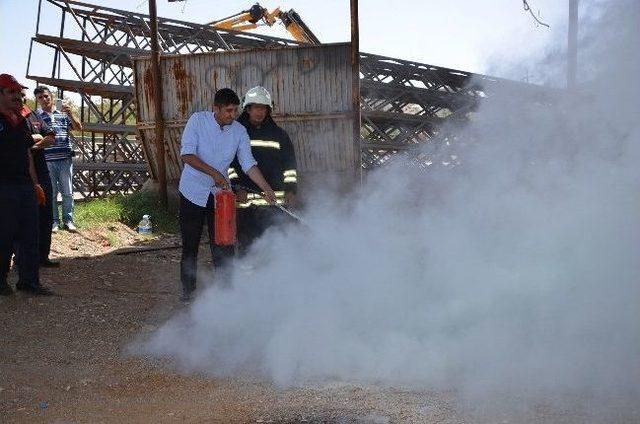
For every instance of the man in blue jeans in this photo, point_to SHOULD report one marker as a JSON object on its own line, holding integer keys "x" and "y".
{"x": 59, "y": 156}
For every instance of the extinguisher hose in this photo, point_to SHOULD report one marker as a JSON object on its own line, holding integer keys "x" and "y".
{"x": 277, "y": 205}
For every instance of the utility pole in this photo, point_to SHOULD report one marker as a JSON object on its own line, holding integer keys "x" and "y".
{"x": 355, "y": 83}
{"x": 157, "y": 82}
{"x": 572, "y": 45}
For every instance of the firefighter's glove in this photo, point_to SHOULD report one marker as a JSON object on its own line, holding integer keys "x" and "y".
{"x": 42, "y": 199}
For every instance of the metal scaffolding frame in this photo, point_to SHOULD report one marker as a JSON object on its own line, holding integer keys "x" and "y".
{"x": 404, "y": 104}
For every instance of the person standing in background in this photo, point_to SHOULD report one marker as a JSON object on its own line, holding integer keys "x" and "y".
{"x": 43, "y": 136}
{"x": 20, "y": 193}
{"x": 59, "y": 156}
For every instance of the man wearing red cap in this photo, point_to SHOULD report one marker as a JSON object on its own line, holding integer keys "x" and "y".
{"x": 20, "y": 192}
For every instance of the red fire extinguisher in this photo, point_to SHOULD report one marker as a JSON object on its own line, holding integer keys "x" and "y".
{"x": 225, "y": 218}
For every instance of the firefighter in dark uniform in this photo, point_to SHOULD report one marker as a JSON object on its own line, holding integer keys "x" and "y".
{"x": 20, "y": 192}
{"x": 272, "y": 149}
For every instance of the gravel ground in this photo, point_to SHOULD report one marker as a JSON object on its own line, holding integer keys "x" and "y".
{"x": 64, "y": 360}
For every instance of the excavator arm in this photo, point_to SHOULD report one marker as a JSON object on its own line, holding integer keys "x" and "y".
{"x": 247, "y": 19}
{"x": 297, "y": 28}
{"x": 258, "y": 15}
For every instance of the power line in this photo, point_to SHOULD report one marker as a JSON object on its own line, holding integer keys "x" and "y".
{"x": 527, "y": 8}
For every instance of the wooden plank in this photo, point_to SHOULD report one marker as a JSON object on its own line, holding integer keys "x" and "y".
{"x": 109, "y": 166}
{"x": 108, "y": 128}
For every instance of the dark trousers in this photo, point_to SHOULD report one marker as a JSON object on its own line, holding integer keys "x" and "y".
{"x": 19, "y": 226}
{"x": 46, "y": 218}
{"x": 45, "y": 221}
{"x": 192, "y": 218}
{"x": 253, "y": 222}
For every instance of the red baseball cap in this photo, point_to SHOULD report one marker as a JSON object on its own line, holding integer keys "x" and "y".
{"x": 9, "y": 81}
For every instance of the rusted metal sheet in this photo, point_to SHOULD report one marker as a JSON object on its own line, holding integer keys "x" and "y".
{"x": 311, "y": 88}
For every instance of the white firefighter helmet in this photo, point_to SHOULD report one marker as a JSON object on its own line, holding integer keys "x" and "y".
{"x": 257, "y": 96}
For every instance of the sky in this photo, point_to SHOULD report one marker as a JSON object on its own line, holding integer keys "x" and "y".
{"x": 471, "y": 35}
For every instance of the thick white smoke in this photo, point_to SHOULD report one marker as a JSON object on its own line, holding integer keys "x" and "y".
{"x": 518, "y": 270}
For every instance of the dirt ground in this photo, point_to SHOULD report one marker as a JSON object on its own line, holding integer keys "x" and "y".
{"x": 64, "y": 360}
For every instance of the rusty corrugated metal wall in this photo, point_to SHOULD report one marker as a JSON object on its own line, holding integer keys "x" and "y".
{"x": 310, "y": 87}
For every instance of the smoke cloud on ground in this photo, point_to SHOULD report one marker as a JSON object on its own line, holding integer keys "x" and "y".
{"x": 515, "y": 272}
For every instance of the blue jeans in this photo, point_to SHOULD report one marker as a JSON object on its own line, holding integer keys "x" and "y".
{"x": 61, "y": 172}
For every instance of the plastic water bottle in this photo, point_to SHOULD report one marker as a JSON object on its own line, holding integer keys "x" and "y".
{"x": 144, "y": 227}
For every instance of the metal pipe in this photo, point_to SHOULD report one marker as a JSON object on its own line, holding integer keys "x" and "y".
{"x": 31, "y": 44}
{"x": 38, "y": 18}
{"x": 64, "y": 15}
{"x": 29, "y": 58}
{"x": 355, "y": 87}
{"x": 157, "y": 79}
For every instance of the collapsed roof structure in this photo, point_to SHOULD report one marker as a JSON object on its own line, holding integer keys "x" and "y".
{"x": 404, "y": 104}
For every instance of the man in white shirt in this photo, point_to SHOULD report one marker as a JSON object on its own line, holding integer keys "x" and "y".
{"x": 210, "y": 141}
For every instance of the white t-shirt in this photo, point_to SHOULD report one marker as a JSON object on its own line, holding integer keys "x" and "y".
{"x": 215, "y": 146}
